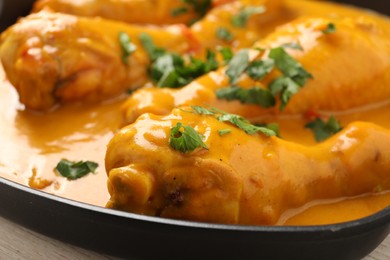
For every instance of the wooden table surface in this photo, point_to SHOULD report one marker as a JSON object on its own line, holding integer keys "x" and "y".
{"x": 17, "y": 242}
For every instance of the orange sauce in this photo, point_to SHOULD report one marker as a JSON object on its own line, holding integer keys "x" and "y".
{"x": 335, "y": 211}
{"x": 32, "y": 144}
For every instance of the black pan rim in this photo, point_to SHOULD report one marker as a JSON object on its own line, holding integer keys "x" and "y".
{"x": 374, "y": 227}
{"x": 381, "y": 216}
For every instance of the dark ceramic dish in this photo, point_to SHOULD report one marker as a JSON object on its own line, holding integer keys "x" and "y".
{"x": 140, "y": 237}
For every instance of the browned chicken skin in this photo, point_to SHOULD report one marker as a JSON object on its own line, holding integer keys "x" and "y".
{"x": 240, "y": 178}
{"x": 53, "y": 57}
{"x": 79, "y": 58}
{"x": 266, "y": 15}
{"x": 131, "y": 11}
{"x": 338, "y": 63}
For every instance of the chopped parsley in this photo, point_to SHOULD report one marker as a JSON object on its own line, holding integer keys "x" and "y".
{"x": 330, "y": 28}
{"x": 289, "y": 66}
{"x": 237, "y": 65}
{"x": 152, "y": 50}
{"x": 258, "y": 69}
{"x": 254, "y": 95}
{"x": 323, "y": 130}
{"x": 179, "y": 11}
{"x": 273, "y": 126}
{"x": 170, "y": 70}
{"x": 245, "y": 125}
{"x": 294, "y": 77}
{"x": 227, "y": 54}
{"x": 224, "y": 132}
{"x": 127, "y": 46}
{"x": 285, "y": 87}
{"x": 201, "y": 7}
{"x": 241, "y": 19}
{"x": 203, "y": 111}
{"x": 224, "y": 34}
{"x": 293, "y": 45}
{"x": 185, "y": 139}
{"x": 75, "y": 170}
{"x": 236, "y": 120}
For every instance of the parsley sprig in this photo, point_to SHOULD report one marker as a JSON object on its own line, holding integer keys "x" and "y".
{"x": 236, "y": 120}
{"x": 323, "y": 130}
{"x": 201, "y": 7}
{"x": 224, "y": 34}
{"x": 127, "y": 46}
{"x": 237, "y": 65}
{"x": 293, "y": 77}
{"x": 242, "y": 17}
{"x": 254, "y": 95}
{"x": 185, "y": 139}
{"x": 289, "y": 66}
{"x": 170, "y": 70}
{"x": 227, "y": 54}
{"x": 223, "y": 132}
{"x": 75, "y": 170}
{"x": 259, "y": 69}
{"x": 330, "y": 28}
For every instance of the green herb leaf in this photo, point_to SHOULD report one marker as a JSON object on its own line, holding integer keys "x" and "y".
{"x": 285, "y": 87}
{"x": 289, "y": 66}
{"x": 163, "y": 70}
{"x": 227, "y": 54}
{"x": 179, "y": 11}
{"x": 245, "y": 125}
{"x": 199, "y": 6}
{"x": 170, "y": 79}
{"x": 293, "y": 45}
{"x": 259, "y": 49}
{"x": 75, "y": 170}
{"x": 224, "y": 34}
{"x": 323, "y": 130}
{"x": 258, "y": 69}
{"x": 202, "y": 111}
{"x": 148, "y": 44}
{"x": 236, "y": 120}
{"x": 127, "y": 46}
{"x": 330, "y": 28}
{"x": 294, "y": 77}
{"x": 241, "y": 19}
{"x": 185, "y": 139}
{"x": 211, "y": 62}
{"x": 170, "y": 70}
{"x": 237, "y": 65}
{"x": 255, "y": 95}
{"x": 273, "y": 126}
{"x": 224, "y": 132}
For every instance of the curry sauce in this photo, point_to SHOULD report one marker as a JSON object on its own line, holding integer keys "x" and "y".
{"x": 34, "y": 142}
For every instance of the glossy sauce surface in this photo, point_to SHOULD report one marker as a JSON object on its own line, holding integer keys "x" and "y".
{"x": 32, "y": 144}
